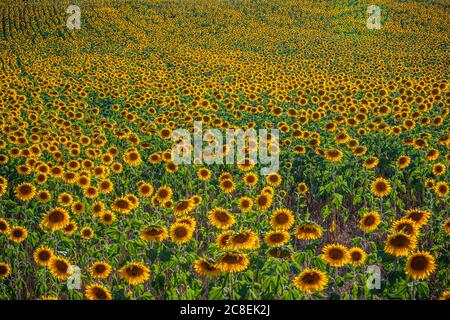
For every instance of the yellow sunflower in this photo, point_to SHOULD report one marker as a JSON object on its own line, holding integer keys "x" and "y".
{"x": 311, "y": 280}
{"x": 420, "y": 265}
{"x": 97, "y": 292}
{"x": 282, "y": 219}
{"x": 135, "y": 273}
{"x": 336, "y": 255}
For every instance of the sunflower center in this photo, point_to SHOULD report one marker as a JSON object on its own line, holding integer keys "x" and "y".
{"x": 281, "y": 218}
{"x": 419, "y": 263}
{"x": 277, "y": 237}
{"x": 336, "y": 254}
{"x": 240, "y": 238}
{"x": 380, "y": 187}
{"x": 100, "y": 268}
{"x": 3, "y": 270}
{"x": 153, "y": 232}
{"x": 135, "y": 271}
{"x": 61, "y": 266}
{"x": 231, "y": 259}
{"x": 25, "y": 190}
{"x": 56, "y": 216}
{"x": 100, "y": 293}
{"x": 370, "y": 220}
{"x": 44, "y": 255}
{"x": 181, "y": 232}
{"x": 311, "y": 278}
{"x": 222, "y": 216}
{"x": 400, "y": 241}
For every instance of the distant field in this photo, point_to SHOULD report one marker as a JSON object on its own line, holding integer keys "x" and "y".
{"x": 90, "y": 193}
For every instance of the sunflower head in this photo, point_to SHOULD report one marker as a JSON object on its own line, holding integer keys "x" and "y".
{"x": 420, "y": 265}
{"x": 336, "y": 255}
{"x": 311, "y": 280}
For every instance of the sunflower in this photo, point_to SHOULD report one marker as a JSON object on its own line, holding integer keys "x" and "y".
{"x": 107, "y": 217}
{"x": 356, "y": 256}
{"x": 336, "y": 255}
{"x": 227, "y": 185}
{"x": 164, "y": 194}
{"x": 244, "y": 240}
{"x": 333, "y": 155}
{"x": 204, "y": 174}
{"x": 221, "y": 218}
{"x": 429, "y": 183}
{"x": 371, "y": 162}
{"x": 263, "y": 202}
{"x": 432, "y": 155}
{"x": 446, "y": 226}
{"x": 145, "y": 190}
{"x": 419, "y": 217}
{"x": 279, "y": 253}
{"x": 100, "y": 270}
{"x": 232, "y": 262}
{"x": 48, "y": 298}
{"x": 43, "y": 196}
{"x": 268, "y": 190}
{"x": 18, "y": 234}
{"x": 70, "y": 228}
{"x": 196, "y": 200}
{"x": 180, "y": 233}
{"x": 77, "y": 207}
{"x": 403, "y": 162}
{"x": 122, "y": 205}
{"x": 223, "y": 240}
{"x": 420, "y": 265}
{"x": 86, "y": 233}
{"x": 250, "y": 179}
{"x": 302, "y": 188}
{"x": 56, "y": 219}
{"x": 282, "y": 219}
{"x": 311, "y": 280}
{"x": 98, "y": 207}
{"x": 91, "y": 192}
{"x": 132, "y": 158}
{"x": 245, "y": 204}
{"x": 97, "y": 292}
{"x": 153, "y": 234}
{"x": 407, "y": 226}
{"x": 380, "y": 187}
{"x": 134, "y": 201}
{"x": 445, "y": 295}
{"x": 105, "y": 186}
{"x": 43, "y": 255}
{"x": 276, "y": 238}
{"x": 273, "y": 179}
{"x": 190, "y": 221}
{"x": 400, "y": 244}
{"x": 206, "y": 268}
{"x": 441, "y": 189}
{"x": 183, "y": 207}
{"x": 5, "y": 270}
{"x": 135, "y": 273}
{"x": 25, "y": 191}
{"x": 439, "y": 169}
{"x": 370, "y": 221}
{"x": 60, "y": 268}
{"x": 4, "y": 226}
{"x": 308, "y": 231}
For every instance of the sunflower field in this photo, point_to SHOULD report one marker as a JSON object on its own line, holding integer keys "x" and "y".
{"x": 92, "y": 205}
